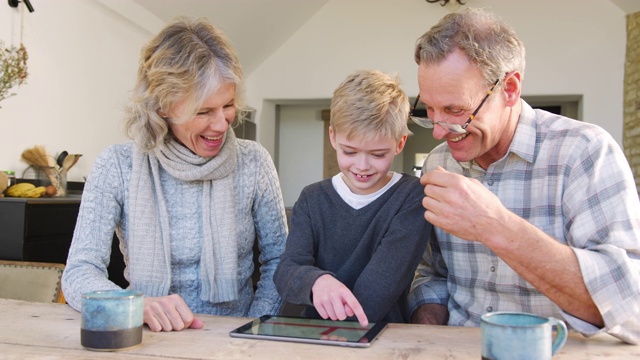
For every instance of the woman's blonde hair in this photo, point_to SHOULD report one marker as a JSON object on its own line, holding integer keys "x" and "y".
{"x": 186, "y": 62}
{"x": 370, "y": 104}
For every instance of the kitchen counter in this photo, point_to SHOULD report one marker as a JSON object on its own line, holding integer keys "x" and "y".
{"x": 70, "y": 199}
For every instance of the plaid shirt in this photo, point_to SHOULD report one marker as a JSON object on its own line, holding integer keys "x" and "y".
{"x": 571, "y": 180}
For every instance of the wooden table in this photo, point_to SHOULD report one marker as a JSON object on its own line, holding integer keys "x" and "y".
{"x": 52, "y": 331}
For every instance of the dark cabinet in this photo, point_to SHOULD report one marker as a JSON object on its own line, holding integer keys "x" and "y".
{"x": 37, "y": 229}
{"x": 42, "y": 230}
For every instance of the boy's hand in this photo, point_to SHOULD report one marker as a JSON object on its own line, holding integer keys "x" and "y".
{"x": 332, "y": 299}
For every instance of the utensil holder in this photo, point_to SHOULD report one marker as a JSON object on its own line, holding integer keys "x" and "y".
{"x": 55, "y": 177}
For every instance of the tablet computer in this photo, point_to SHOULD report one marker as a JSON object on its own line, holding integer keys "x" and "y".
{"x": 312, "y": 331}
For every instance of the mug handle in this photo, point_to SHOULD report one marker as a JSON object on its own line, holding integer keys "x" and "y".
{"x": 561, "y": 335}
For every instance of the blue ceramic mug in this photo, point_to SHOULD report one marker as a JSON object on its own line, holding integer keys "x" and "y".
{"x": 111, "y": 319}
{"x": 520, "y": 336}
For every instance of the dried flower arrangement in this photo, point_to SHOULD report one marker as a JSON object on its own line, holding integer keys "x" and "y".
{"x": 13, "y": 63}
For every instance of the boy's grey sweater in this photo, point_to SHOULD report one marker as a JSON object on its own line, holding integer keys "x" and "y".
{"x": 104, "y": 209}
{"x": 374, "y": 250}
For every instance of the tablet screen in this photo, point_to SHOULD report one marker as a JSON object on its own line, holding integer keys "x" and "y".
{"x": 328, "y": 332}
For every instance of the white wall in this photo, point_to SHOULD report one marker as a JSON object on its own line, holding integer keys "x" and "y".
{"x": 84, "y": 53}
{"x": 573, "y": 47}
{"x": 300, "y": 153}
{"x": 82, "y": 63}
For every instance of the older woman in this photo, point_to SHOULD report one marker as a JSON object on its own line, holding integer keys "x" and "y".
{"x": 185, "y": 197}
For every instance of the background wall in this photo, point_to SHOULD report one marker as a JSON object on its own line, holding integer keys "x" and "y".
{"x": 632, "y": 97}
{"x": 84, "y": 53}
{"x": 574, "y": 47}
{"x": 299, "y": 159}
{"x": 82, "y": 63}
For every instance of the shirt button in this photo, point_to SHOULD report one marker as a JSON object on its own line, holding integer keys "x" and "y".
{"x": 489, "y": 308}
{"x": 493, "y": 269}
{"x": 490, "y": 182}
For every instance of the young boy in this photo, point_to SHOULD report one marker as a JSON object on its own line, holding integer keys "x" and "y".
{"x": 356, "y": 239}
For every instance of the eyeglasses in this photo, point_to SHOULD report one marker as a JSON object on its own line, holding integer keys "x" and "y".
{"x": 454, "y": 128}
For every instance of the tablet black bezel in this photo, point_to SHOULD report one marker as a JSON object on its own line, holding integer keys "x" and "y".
{"x": 363, "y": 342}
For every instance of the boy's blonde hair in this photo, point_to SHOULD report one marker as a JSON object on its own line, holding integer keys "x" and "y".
{"x": 370, "y": 104}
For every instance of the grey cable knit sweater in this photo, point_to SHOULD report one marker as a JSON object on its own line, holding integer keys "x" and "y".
{"x": 104, "y": 209}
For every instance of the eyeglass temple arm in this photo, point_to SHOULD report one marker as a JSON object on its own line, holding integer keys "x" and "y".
{"x": 413, "y": 108}
{"x": 472, "y": 116}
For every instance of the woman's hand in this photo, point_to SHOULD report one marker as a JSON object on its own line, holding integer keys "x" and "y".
{"x": 168, "y": 313}
{"x": 332, "y": 299}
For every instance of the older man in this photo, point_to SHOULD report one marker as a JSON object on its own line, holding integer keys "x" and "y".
{"x": 534, "y": 212}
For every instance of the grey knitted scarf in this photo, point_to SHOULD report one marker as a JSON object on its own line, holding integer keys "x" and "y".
{"x": 149, "y": 237}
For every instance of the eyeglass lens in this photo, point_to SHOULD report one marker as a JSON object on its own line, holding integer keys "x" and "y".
{"x": 426, "y": 122}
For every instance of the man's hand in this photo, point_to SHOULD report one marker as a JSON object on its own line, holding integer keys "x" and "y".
{"x": 464, "y": 208}
{"x": 332, "y": 299}
{"x": 168, "y": 313}
{"x": 461, "y": 206}
{"x": 430, "y": 314}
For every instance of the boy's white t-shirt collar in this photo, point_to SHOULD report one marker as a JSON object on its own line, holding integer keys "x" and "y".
{"x": 357, "y": 201}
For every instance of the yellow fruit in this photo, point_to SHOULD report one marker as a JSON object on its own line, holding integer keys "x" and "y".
{"x": 34, "y": 193}
{"x": 17, "y": 189}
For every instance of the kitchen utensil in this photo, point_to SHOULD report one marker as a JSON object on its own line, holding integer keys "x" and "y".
{"x": 61, "y": 157}
{"x": 37, "y": 156}
{"x": 69, "y": 161}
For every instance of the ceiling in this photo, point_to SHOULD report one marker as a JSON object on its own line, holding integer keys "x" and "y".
{"x": 258, "y": 28}
{"x": 628, "y": 6}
